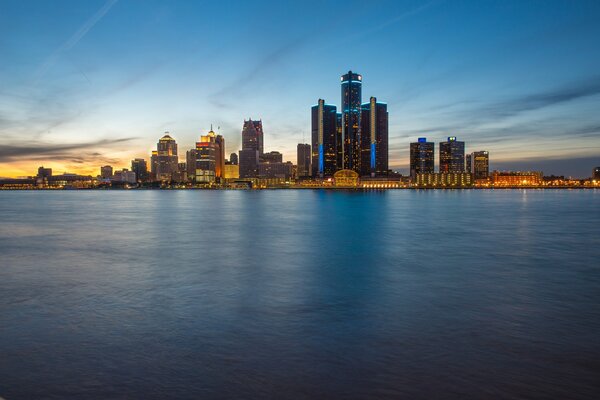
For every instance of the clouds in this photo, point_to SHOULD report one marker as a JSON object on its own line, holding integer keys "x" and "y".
{"x": 45, "y": 151}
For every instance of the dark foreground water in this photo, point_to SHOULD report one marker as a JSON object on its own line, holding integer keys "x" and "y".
{"x": 300, "y": 294}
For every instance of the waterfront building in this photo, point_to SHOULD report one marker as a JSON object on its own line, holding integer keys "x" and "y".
{"x": 190, "y": 164}
{"x": 268, "y": 170}
{"x": 422, "y": 157}
{"x": 303, "y": 160}
{"x": 452, "y": 155}
{"x": 210, "y": 161}
{"x": 106, "y": 172}
{"x": 324, "y": 144}
{"x": 346, "y": 178}
{"x": 233, "y": 159}
{"x": 140, "y": 168}
{"x": 443, "y": 180}
{"x": 166, "y": 159}
{"x": 468, "y": 163}
{"x": 517, "y": 178}
{"x": 44, "y": 172}
{"x": 479, "y": 164}
{"x": 374, "y": 138}
{"x": 232, "y": 171}
{"x": 248, "y": 166}
{"x": 351, "y": 125}
{"x": 252, "y": 136}
{"x": 153, "y": 164}
{"x": 596, "y": 173}
{"x": 125, "y": 176}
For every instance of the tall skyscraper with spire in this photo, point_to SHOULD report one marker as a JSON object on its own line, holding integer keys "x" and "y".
{"x": 351, "y": 125}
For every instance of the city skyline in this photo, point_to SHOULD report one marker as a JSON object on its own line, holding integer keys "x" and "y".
{"x": 76, "y": 97}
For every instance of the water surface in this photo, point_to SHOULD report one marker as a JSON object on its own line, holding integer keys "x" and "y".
{"x": 300, "y": 294}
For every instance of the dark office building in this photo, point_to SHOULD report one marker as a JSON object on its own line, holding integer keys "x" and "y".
{"x": 452, "y": 155}
{"x": 303, "y": 160}
{"x": 140, "y": 167}
{"x": 478, "y": 164}
{"x": 271, "y": 157}
{"x": 44, "y": 172}
{"x": 422, "y": 157}
{"x": 596, "y": 173}
{"x": 233, "y": 159}
{"x": 249, "y": 163}
{"x": 324, "y": 146}
{"x": 252, "y": 136}
{"x": 351, "y": 113}
{"x": 374, "y": 138}
{"x": 338, "y": 141}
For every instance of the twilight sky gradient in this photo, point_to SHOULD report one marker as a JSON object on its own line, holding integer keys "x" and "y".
{"x": 88, "y": 83}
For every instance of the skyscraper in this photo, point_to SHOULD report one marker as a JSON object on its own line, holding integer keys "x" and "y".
{"x": 303, "y": 160}
{"x": 324, "y": 146}
{"x": 210, "y": 161}
{"x": 452, "y": 155}
{"x": 374, "y": 138}
{"x": 422, "y": 157}
{"x": 140, "y": 167}
{"x": 166, "y": 158}
{"x": 351, "y": 126}
{"x": 479, "y": 164}
{"x": 252, "y": 136}
{"x": 233, "y": 159}
{"x": 248, "y": 163}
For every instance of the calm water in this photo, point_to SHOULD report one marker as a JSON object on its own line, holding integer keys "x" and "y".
{"x": 300, "y": 294}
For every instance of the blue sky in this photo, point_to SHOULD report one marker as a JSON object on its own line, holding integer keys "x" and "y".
{"x": 87, "y": 83}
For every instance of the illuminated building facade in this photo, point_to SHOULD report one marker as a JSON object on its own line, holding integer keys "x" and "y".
{"x": 351, "y": 125}
{"x": 232, "y": 171}
{"x": 324, "y": 144}
{"x": 303, "y": 160}
{"x": 346, "y": 178}
{"x": 140, "y": 168}
{"x": 166, "y": 160}
{"x": 210, "y": 158}
{"x": 452, "y": 156}
{"x": 374, "y": 138}
{"x": 517, "y": 178}
{"x": 422, "y": 157}
{"x": 443, "y": 180}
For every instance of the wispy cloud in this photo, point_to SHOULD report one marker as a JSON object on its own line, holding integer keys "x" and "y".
{"x": 74, "y": 39}
{"x": 40, "y": 151}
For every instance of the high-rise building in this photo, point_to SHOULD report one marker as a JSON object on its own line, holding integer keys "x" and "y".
{"x": 422, "y": 157}
{"x": 140, "y": 168}
{"x": 190, "y": 164}
{"x": 248, "y": 167}
{"x": 339, "y": 140}
{"x": 596, "y": 173}
{"x": 210, "y": 158}
{"x": 324, "y": 146}
{"x": 478, "y": 164}
{"x": 452, "y": 155}
{"x": 275, "y": 170}
{"x": 233, "y": 159}
{"x": 351, "y": 126}
{"x": 252, "y": 136}
{"x": 166, "y": 158}
{"x": 374, "y": 138}
{"x": 303, "y": 160}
